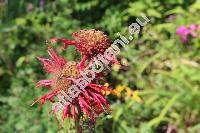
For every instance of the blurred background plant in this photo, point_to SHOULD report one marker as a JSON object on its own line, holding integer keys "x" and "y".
{"x": 160, "y": 74}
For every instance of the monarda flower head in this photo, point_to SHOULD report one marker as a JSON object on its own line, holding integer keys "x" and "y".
{"x": 89, "y": 43}
{"x": 89, "y": 101}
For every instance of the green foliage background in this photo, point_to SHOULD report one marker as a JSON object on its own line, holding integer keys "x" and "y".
{"x": 164, "y": 70}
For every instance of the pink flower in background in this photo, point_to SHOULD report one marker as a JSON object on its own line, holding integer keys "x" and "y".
{"x": 193, "y": 27}
{"x": 30, "y": 7}
{"x": 182, "y": 30}
{"x": 185, "y": 32}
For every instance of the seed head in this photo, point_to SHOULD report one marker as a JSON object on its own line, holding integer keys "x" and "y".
{"x": 91, "y": 42}
{"x": 62, "y": 78}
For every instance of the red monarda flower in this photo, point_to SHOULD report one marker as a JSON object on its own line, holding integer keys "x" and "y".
{"x": 90, "y": 101}
{"x": 88, "y": 42}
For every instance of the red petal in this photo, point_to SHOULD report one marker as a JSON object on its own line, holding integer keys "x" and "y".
{"x": 86, "y": 95}
{"x": 48, "y": 96}
{"x": 65, "y": 112}
{"x": 81, "y": 65}
{"x": 67, "y": 42}
{"x": 103, "y": 100}
{"x": 73, "y": 111}
{"x": 54, "y": 56}
{"x": 84, "y": 106}
{"x": 96, "y": 100}
{"x": 47, "y": 64}
{"x": 46, "y": 83}
{"x": 99, "y": 87}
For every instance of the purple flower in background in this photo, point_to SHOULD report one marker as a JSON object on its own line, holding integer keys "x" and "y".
{"x": 42, "y": 2}
{"x": 171, "y": 17}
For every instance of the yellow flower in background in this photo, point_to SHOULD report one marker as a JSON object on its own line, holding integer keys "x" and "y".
{"x": 124, "y": 62}
{"x": 133, "y": 95}
{"x": 106, "y": 85}
{"x": 136, "y": 96}
{"x": 118, "y": 91}
{"x": 106, "y": 92}
{"x": 116, "y": 67}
